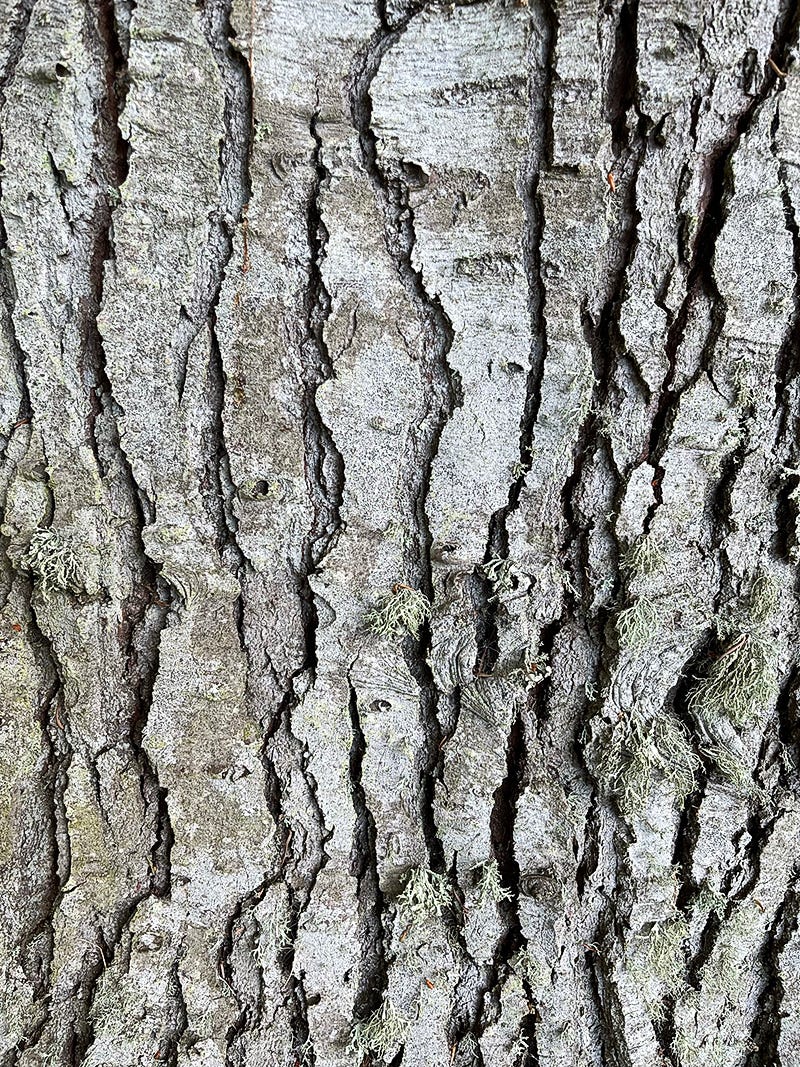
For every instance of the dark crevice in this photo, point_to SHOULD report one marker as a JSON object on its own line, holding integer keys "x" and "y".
{"x": 766, "y": 1027}
{"x": 540, "y": 67}
{"x": 788, "y": 716}
{"x": 372, "y": 978}
{"x": 591, "y": 847}
{"x": 711, "y": 212}
{"x": 235, "y": 925}
{"x": 608, "y": 1010}
{"x": 324, "y": 464}
{"x": 36, "y": 943}
{"x": 502, "y": 823}
{"x": 300, "y": 863}
{"x": 442, "y": 392}
{"x": 621, "y": 84}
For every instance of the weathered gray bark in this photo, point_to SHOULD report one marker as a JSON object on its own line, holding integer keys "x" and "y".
{"x": 304, "y": 304}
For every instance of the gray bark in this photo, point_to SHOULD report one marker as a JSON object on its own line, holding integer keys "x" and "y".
{"x": 310, "y": 312}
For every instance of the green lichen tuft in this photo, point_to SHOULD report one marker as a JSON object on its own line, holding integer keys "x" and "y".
{"x": 658, "y": 965}
{"x": 732, "y": 768}
{"x": 489, "y": 886}
{"x": 637, "y": 624}
{"x": 500, "y": 572}
{"x": 743, "y": 680}
{"x": 400, "y": 612}
{"x": 639, "y": 752}
{"x": 50, "y": 556}
{"x": 379, "y": 1035}
{"x": 426, "y": 895}
{"x": 645, "y": 557}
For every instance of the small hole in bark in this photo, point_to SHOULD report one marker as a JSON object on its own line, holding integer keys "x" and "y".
{"x": 415, "y": 176}
{"x": 62, "y": 71}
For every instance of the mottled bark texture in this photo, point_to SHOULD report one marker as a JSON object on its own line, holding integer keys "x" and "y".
{"x": 400, "y": 527}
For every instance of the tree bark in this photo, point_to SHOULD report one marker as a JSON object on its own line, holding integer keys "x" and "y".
{"x": 400, "y": 501}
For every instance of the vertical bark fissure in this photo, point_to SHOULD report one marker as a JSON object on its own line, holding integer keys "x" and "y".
{"x": 540, "y": 66}
{"x": 324, "y": 463}
{"x": 540, "y": 62}
{"x": 58, "y": 756}
{"x": 439, "y": 400}
{"x": 372, "y": 977}
{"x": 18, "y": 34}
{"x": 8, "y": 296}
{"x": 787, "y": 513}
{"x": 234, "y": 194}
{"x": 700, "y": 277}
{"x": 766, "y": 1027}
{"x": 299, "y": 889}
{"x": 145, "y": 613}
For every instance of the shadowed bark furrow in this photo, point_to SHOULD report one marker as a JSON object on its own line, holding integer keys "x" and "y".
{"x": 440, "y": 395}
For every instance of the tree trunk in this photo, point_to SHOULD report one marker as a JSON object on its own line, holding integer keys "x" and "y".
{"x": 400, "y": 503}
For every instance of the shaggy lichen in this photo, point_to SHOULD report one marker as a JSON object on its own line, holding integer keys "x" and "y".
{"x": 276, "y": 932}
{"x": 518, "y": 1053}
{"x": 642, "y": 749}
{"x": 666, "y": 963}
{"x": 645, "y": 557}
{"x": 731, "y": 768}
{"x": 489, "y": 887}
{"x": 426, "y": 894}
{"x": 741, "y": 683}
{"x": 500, "y": 572}
{"x": 469, "y": 1050}
{"x": 51, "y": 557}
{"x": 636, "y": 624}
{"x": 400, "y": 612}
{"x": 378, "y": 1035}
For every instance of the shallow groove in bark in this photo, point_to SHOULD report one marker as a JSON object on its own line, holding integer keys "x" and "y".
{"x": 19, "y": 31}
{"x": 712, "y": 219}
{"x": 766, "y": 1029}
{"x": 325, "y": 474}
{"x": 372, "y": 977}
{"x": 540, "y": 77}
{"x": 440, "y": 399}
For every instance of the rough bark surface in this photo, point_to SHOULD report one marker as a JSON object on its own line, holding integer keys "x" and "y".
{"x": 309, "y": 312}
